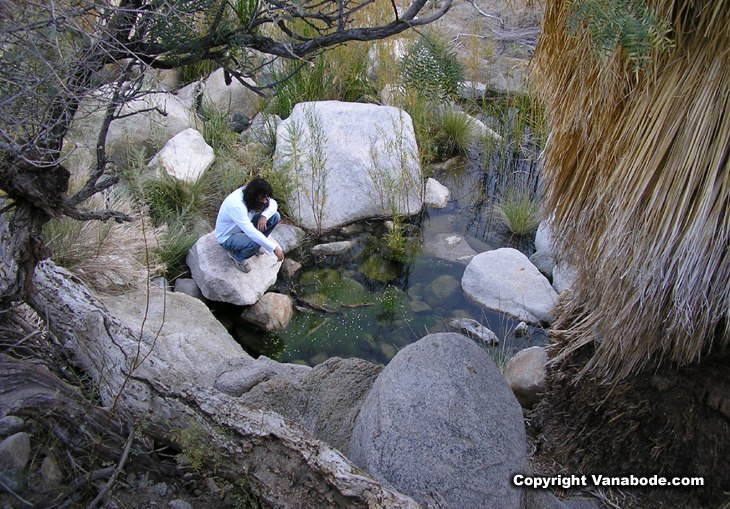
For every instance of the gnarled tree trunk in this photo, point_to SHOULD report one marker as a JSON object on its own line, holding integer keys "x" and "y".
{"x": 284, "y": 465}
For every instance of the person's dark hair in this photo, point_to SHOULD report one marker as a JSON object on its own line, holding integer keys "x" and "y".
{"x": 255, "y": 190}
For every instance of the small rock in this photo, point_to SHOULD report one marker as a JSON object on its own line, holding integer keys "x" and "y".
{"x": 437, "y": 195}
{"x": 10, "y": 424}
{"x": 563, "y": 277}
{"x": 238, "y": 122}
{"x": 159, "y": 489}
{"x": 544, "y": 238}
{"x": 50, "y": 470}
{"x": 272, "y": 312}
{"x": 521, "y": 330}
{"x": 544, "y": 262}
{"x": 290, "y": 267}
{"x": 179, "y": 504}
{"x": 333, "y": 248}
{"x": 188, "y": 286}
{"x": 185, "y": 156}
{"x": 288, "y": 236}
{"x": 162, "y": 283}
{"x": 352, "y": 230}
{"x": 475, "y": 330}
{"x": 15, "y": 451}
{"x": 525, "y": 374}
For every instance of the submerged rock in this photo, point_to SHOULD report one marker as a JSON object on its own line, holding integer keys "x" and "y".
{"x": 475, "y": 330}
{"x": 380, "y": 269}
{"x": 440, "y": 290}
{"x": 450, "y": 247}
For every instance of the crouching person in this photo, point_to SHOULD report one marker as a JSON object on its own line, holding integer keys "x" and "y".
{"x": 245, "y": 220}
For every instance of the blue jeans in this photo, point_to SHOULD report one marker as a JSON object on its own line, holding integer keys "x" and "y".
{"x": 241, "y": 246}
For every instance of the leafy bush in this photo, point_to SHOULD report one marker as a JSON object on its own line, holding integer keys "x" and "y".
{"x": 630, "y": 25}
{"x": 432, "y": 69}
{"x": 339, "y": 74}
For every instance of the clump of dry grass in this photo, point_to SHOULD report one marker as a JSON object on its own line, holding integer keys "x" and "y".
{"x": 638, "y": 179}
{"x": 107, "y": 257}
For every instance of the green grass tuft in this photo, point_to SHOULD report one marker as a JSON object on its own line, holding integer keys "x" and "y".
{"x": 519, "y": 210}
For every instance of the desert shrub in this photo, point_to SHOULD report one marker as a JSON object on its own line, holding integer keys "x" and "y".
{"x": 431, "y": 67}
{"x": 108, "y": 257}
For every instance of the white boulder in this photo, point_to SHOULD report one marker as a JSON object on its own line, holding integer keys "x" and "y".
{"x": 229, "y": 99}
{"x": 437, "y": 195}
{"x": 185, "y": 156}
{"x": 349, "y": 161}
{"x": 504, "y": 280}
{"x": 221, "y": 281}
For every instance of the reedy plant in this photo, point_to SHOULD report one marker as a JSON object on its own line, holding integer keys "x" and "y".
{"x": 519, "y": 210}
{"x": 303, "y": 164}
{"x": 456, "y": 132}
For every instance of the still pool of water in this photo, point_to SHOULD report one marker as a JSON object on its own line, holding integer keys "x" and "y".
{"x": 365, "y": 304}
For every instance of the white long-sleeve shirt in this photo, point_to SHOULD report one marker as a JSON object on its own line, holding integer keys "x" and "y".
{"x": 234, "y": 217}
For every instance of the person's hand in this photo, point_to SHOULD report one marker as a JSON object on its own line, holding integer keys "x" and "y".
{"x": 261, "y": 224}
{"x": 279, "y": 254}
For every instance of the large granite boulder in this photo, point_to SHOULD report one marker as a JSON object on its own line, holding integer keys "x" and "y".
{"x": 349, "y": 161}
{"x": 185, "y": 156}
{"x": 504, "y": 280}
{"x": 184, "y": 332}
{"x": 143, "y": 127}
{"x": 325, "y": 399}
{"x": 221, "y": 281}
{"x": 230, "y": 99}
{"x": 441, "y": 425}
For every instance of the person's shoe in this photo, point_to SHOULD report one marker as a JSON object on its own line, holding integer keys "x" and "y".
{"x": 241, "y": 265}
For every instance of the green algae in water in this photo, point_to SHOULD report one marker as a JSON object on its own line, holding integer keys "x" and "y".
{"x": 362, "y": 331}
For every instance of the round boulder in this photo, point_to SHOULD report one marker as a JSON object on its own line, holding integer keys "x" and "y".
{"x": 272, "y": 312}
{"x": 441, "y": 424}
{"x": 504, "y": 280}
{"x": 525, "y": 374}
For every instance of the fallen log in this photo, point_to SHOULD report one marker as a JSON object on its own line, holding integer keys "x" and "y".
{"x": 284, "y": 465}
